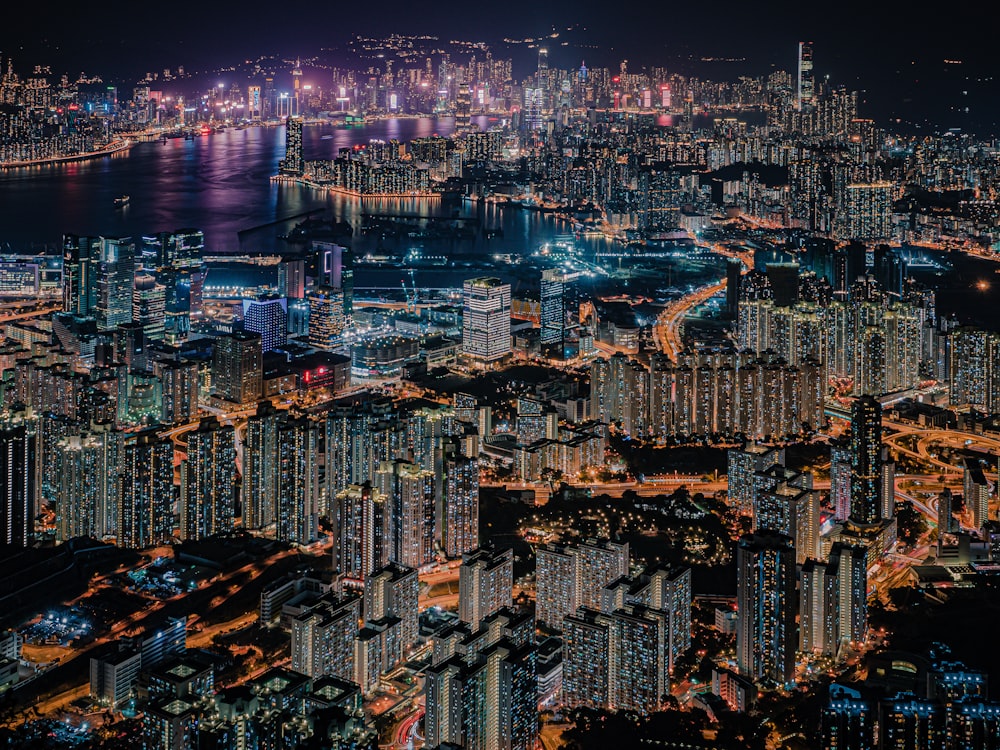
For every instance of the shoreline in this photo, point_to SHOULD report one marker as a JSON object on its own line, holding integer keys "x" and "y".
{"x": 112, "y": 148}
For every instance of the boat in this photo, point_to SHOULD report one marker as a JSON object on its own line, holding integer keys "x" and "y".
{"x": 325, "y": 137}
{"x": 122, "y": 200}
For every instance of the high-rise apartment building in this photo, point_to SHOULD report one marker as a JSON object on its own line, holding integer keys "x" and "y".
{"x": 293, "y": 165}
{"x": 766, "y": 636}
{"x": 485, "y": 583}
{"x": 866, "y": 454}
{"x": 298, "y": 489}
{"x": 574, "y": 575}
{"x": 17, "y": 484}
{"x": 146, "y": 496}
{"x": 363, "y": 531}
{"x": 208, "y": 481}
{"x": 260, "y": 467}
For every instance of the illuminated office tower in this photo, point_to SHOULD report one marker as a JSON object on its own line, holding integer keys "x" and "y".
{"x": 572, "y": 576}
{"x": 459, "y": 529}
{"x": 149, "y": 306}
{"x": 766, "y": 637}
{"x": 130, "y": 346}
{"x": 298, "y": 508}
{"x": 553, "y": 311}
{"x": 292, "y": 278}
{"x": 867, "y": 212}
{"x": 86, "y": 468}
{"x": 806, "y": 97}
{"x": 17, "y": 484}
{"x": 410, "y": 493}
{"x": 146, "y": 496}
{"x": 486, "y": 321}
{"x": 392, "y": 591}
{"x": 866, "y": 469}
{"x": 327, "y": 319}
{"x": 485, "y": 583}
{"x": 114, "y": 276}
{"x": 534, "y": 102}
{"x": 323, "y": 637}
{"x": 463, "y": 104}
{"x": 976, "y": 491}
{"x": 208, "y": 481}
{"x": 362, "y": 533}
{"x": 237, "y": 367}
{"x": 269, "y": 318}
{"x": 335, "y": 268}
{"x": 743, "y": 466}
{"x": 254, "y": 104}
{"x": 181, "y": 275}
{"x": 975, "y": 369}
{"x": 79, "y": 287}
{"x": 179, "y": 391}
{"x": 259, "y": 490}
{"x": 293, "y": 165}
{"x": 840, "y": 479}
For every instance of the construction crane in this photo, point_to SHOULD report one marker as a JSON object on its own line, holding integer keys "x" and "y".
{"x": 410, "y": 294}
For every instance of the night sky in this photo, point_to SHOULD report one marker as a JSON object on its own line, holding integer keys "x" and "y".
{"x": 893, "y": 53}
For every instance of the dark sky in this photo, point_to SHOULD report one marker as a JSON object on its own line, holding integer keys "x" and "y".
{"x": 893, "y": 51}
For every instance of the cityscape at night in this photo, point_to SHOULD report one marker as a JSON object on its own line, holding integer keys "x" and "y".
{"x": 438, "y": 378}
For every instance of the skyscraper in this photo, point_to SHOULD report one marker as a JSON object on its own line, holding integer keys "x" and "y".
{"x": 976, "y": 491}
{"x": 485, "y": 583}
{"x": 327, "y": 318}
{"x": 410, "y": 492}
{"x": 145, "y": 511}
{"x": 17, "y": 484}
{"x": 553, "y": 312}
{"x": 237, "y": 367}
{"x": 260, "y": 467}
{"x": 114, "y": 280}
{"x": 86, "y": 469}
{"x": 459, "y": 528}
{"x": 866, "y": 467}
{"x": 149, "y": 305}
{"x": 79, "y": 288}
{"x": 362, "y": 531}
{"x": 392, "y": 591}
{"x": 766, "y": 638}
{"x": 573, "y": 576}
{"x": 335, "y": 268}
{"x": 293, "y": 165}
{"x": 486, "y": 321}
{"x": 179, "y": 391}
{"x": 806, "y": 88}
{"x": 298, "y": 491}
{"x": 269, "y": 318}
{"x": 208, "y": 480}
